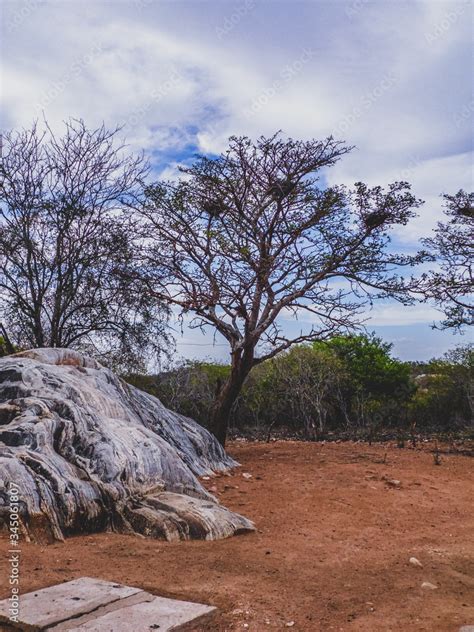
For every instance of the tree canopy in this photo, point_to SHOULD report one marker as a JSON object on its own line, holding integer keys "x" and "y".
{"x": 452, "y": 246}
{"x": 63, "y": 239}
{"x": 253, "y": 236}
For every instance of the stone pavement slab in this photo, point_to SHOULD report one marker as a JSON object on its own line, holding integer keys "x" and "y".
{"x": 94, "y": 605}
{"x": 164, "y": 615}
{"x": 45, "y": 607}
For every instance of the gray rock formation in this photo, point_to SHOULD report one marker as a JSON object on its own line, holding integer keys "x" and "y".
{"x": 86, "y": 452}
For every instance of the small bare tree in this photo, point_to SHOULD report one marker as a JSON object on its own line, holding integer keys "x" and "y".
{"x": 249, "y": 237}
{"x": 310, "y": 380}
{"x": 64, "y": 237}
{"x": 452, "y": 286}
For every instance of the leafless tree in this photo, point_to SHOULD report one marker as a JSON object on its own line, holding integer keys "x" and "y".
{"x": 249, "y": 238}
{"x": 64, "y": 237}
{"x": 310, "y": 380}
{"x": 452, "y": 246}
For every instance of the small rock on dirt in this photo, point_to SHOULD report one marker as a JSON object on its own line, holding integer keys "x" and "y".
{"x": 246, "y": 475}
{"x": 415, "y": 562}
{"x": 428, "y": 586}
{"x": 391, "y": 482}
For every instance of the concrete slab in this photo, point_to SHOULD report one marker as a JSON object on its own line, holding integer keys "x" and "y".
{"x": 93, "y": 605}
{"x": 75, "y": 622}
{"x": 164, "y": 615}
{"x": 49, "y": 606}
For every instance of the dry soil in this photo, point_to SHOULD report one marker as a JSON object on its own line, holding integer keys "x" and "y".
{"x": 336, "y": 526}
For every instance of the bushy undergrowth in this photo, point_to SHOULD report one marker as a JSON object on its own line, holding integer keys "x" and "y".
{"x": 350, "y": 386}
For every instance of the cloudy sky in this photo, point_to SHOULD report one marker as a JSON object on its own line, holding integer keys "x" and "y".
{"x": 393, "y": 78}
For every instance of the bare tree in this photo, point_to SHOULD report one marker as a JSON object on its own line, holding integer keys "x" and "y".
{"x": 63, "y": 239}
{"x": 309, "y": 380}
{"x": 249, "y": 237}
{"x": 452, "y": 286}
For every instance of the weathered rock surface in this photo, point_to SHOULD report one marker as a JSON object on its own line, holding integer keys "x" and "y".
{"x": 88, "y": 452}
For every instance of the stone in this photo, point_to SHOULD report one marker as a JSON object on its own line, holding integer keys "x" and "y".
{"x": 415, "y": 562}
{"x": 92, "y": 605}
{"x": 392, "y": 482}
{"x": 428, "y": 586}
{"x": 89, "y": 452}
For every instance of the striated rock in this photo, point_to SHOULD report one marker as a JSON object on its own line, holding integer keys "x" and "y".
{"x": 82, "y": 451}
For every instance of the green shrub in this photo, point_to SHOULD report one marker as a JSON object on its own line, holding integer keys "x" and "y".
{"x": 350, "y": 384}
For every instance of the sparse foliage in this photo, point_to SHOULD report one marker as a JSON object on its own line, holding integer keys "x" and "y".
{"x": 188, "y": 387}
{"x": 378, "y": 385}
{"x": 63, "y": 240}
{"x": 350, "y": 386}
{"x": 445, "y": 390}
{"x": 452, "y": 246}
{"x": 250, "y": 237}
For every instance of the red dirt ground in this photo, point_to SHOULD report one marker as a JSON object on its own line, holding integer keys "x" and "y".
{"x": 331, "y": 550}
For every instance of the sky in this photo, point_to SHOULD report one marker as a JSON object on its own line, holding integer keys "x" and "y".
{"x": 392, "y": 77}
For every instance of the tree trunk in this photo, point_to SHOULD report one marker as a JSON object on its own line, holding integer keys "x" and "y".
{"x": 228, "y": 394}
{"x": 222, "y": 408}
{"x": 8, "y": 344}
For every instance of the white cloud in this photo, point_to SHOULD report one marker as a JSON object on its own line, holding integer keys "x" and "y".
{"x": 230, "y": 85}
{"x": 394, "y": 314}
{"x": 390, "y": 77}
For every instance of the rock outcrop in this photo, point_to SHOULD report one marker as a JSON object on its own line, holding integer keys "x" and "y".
{"x": 84, "y": 451}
